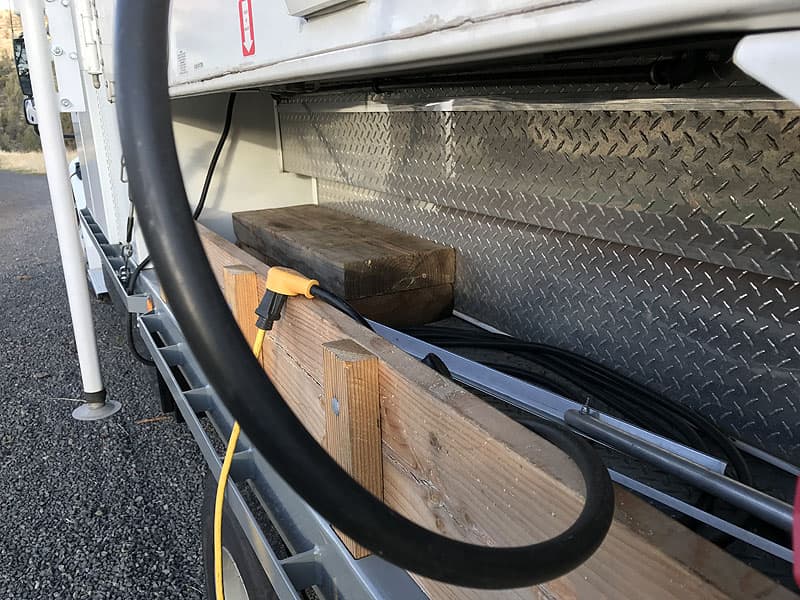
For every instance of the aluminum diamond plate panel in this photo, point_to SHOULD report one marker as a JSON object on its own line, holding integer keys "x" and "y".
{"x": 663, "y": 241}
{"x": 716, "y": 186}
{"x": 720, "y": 340}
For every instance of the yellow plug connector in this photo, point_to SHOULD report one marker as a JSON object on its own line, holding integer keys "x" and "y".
{"x": 288, "y": 282}
{"x": 281, "y": 283}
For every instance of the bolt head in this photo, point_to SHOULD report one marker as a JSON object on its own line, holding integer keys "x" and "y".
{"x": 65, "y": 102}
{"x": 73, "y": 55}
{"x": 58, "y": 51}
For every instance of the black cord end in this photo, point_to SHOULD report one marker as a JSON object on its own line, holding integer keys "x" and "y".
{"x": 269, "y": 309}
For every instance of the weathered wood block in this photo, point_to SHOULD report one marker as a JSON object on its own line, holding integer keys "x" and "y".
{"x": 388, "y": 275}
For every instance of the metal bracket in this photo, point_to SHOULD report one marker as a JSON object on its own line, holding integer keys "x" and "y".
{"x": 90, "y": 40}
{"x": 64, "y": 49}
{"x": 113, "y": 260}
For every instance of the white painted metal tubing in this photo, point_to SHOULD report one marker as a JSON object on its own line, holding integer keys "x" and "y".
{"x": 55, "y": 159}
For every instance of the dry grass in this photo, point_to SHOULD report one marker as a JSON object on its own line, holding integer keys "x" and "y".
{"x": 5, "y": 31}
{"x": 23, "y": 162}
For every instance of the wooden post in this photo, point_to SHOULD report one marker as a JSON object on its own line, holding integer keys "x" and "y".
{"x": 241, "y": 289}
{"x": 353, "y": 418}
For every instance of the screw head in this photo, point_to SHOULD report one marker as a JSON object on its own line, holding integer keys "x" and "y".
{"x": 65, "y": 102}
{"x": 64, "y": 2}
{"x": 335, "y": 405}
{"x": 73, "y": 55}
{"x": 58, "y": 51}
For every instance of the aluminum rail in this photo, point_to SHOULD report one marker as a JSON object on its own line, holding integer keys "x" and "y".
{"x": 69, "y": 243}
{"x": 755, "y": 502}
{"x": 112, "y": 261}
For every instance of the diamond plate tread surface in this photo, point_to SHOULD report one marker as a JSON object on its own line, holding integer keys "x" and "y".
{"x": 715, "y": 186}
{"x": 725, "y": 342}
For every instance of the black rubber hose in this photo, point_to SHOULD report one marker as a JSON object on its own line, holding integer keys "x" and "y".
{"x": 212, "y": 166}
{"x": 203, "y": 315}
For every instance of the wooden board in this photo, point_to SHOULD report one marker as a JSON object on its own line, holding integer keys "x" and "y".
{"x": 456, "y": 465}
{"x": 352, "y": 257}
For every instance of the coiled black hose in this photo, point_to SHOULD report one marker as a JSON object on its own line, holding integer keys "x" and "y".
{"x": 166, "y": 221}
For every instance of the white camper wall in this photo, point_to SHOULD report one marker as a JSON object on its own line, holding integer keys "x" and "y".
{"x": 222, "y": 45}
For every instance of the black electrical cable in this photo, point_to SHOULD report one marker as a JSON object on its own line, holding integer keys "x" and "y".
{"x": 340, "y": 304}
{"x": 635, "y": 402}
{"x": 226, "y": 128}
{"x": 129, "y": 288}
{"x": 145, "y": 360}
{"x": 596, "y": 379}
{"x": 203, "y": 315}
{"x": 131, "y": 285}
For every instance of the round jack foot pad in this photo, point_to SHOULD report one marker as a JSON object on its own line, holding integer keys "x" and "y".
{"x": 94, "y": 411}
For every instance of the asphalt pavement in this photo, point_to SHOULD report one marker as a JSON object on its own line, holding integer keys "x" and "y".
{"x": 97, "y": 510}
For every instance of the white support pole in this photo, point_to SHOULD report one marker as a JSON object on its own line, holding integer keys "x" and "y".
{"x": 72, "y": 259}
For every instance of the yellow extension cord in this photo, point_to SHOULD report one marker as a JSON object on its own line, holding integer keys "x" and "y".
{"x": 222, "y": 483}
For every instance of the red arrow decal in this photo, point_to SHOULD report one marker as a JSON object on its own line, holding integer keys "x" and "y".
{"x": 246, "y": 27}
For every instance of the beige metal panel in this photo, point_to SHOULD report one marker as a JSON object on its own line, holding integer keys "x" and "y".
{"x": 248, "y": 175}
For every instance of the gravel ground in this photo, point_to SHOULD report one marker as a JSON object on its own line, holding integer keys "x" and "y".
{"x": 87, "y": 510}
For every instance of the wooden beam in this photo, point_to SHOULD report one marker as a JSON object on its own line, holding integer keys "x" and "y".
{"x": 392, "y": 277}
{"x": 398, "y": 309}
{"x": 353, "y": 418}
{"x": 350, "y": 256}
{"x": 456, "y": 465}
{"x": 243, "y": 293}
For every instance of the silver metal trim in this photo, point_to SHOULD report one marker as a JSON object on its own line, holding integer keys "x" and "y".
{"x": 768, "y": 458}
{"x": 707, "y": 518}
{"x": 503, "y": 104}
